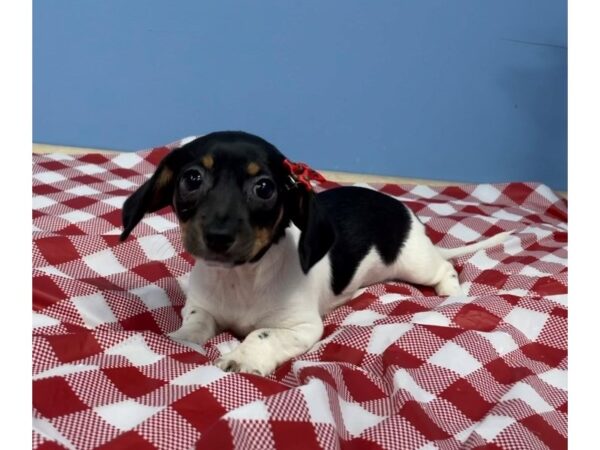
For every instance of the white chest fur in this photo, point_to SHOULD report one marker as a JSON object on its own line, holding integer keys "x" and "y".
{"x": 267, "y": 293}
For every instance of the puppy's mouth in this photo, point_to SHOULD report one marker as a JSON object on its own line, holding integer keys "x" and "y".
{"x": 216, "y": 264}
{"x": 245, "y": 248}
{"x": 217, "y": 260}
{"x": 240, "y": 254}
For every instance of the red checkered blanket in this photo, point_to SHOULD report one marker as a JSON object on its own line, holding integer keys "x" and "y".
{"x": 397, "y": 367}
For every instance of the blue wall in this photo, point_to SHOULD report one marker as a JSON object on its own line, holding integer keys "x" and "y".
{"x": 464, "y": 90}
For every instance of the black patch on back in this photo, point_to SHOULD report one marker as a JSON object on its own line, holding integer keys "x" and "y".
{"x": 362, "y": 218}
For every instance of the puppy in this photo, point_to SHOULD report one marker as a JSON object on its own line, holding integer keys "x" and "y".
{"x": 272, "y": 257}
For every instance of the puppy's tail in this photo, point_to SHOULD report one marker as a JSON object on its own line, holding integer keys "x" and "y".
{"x": 448, "y": 253}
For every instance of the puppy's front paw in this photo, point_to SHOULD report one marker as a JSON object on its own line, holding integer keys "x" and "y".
{"x": 241, "y": 361}
{"x": 190, "y": 334}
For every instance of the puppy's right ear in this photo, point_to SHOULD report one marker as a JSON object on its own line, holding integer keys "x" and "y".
{"x": 154, "y": 194}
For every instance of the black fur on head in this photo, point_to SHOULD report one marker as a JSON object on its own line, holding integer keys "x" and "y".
{"x": 234, "y": 198}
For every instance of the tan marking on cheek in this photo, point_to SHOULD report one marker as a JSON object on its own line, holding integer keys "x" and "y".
{"x": 262, "y": 237}
{"x": 279, "y": 217}
{"x": 208, "y": 161}
{"x": 183, "y": 227}
{"x": 252, "y": 169}
{"x": 190, "y": 233}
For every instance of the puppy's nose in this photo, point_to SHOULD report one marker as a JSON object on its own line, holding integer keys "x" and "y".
{"x": 219, "y": 240}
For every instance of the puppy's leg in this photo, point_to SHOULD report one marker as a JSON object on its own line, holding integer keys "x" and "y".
{"x": 448, "y": 284}
{"x": 420, "y": 262}
{"x": 266, "y": 348}
{"x": 198, "y": 326}
{"x": 436, "y": 272}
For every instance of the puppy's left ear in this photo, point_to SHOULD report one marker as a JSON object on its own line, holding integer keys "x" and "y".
{"x": 154, "y": 194}
{"x": 317, "y": 231}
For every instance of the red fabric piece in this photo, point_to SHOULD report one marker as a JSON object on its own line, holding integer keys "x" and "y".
{"x": 53, "y": 397}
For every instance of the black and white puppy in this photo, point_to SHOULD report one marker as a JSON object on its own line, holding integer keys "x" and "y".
{"x": 272, "y": 257}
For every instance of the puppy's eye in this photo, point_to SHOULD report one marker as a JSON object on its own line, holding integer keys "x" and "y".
{"x": 191, "y": 180}
{"x": 264, "y": 189}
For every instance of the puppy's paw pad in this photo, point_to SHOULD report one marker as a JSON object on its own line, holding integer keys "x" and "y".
{"x": 228, "y": 365}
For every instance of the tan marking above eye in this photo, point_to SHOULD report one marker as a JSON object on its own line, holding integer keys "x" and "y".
{"x": 208, "y": 161}
{"x": 252, "y": 168}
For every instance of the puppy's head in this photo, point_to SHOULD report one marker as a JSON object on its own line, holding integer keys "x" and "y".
{"x": 234, "y": 197}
